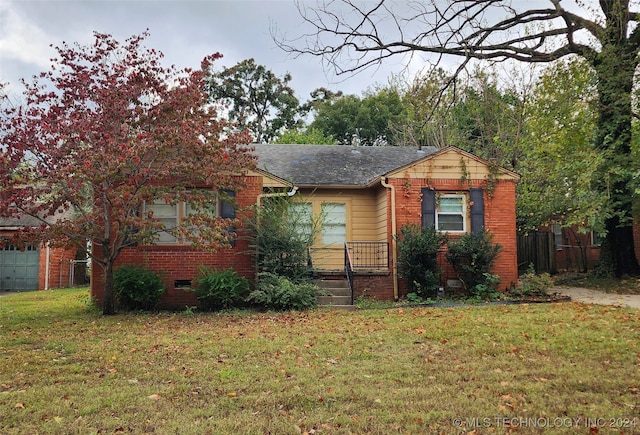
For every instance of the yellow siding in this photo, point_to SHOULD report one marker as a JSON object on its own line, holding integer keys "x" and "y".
{"x": 362, "y": 210}
{"x": 450, "y": 165}
{"x": 382, "y": 209}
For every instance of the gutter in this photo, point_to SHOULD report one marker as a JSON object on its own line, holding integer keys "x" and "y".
{"x": 292, "y": 192}
{"x": 394, "y": 250}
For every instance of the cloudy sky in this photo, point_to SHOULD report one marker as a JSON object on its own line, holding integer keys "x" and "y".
{"x": 184, "y": 30}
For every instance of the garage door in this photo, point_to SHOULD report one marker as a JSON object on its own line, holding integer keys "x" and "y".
{"x": 19, "y": 269}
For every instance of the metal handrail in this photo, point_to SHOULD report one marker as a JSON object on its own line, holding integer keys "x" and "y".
{"x": 348, "y": 268}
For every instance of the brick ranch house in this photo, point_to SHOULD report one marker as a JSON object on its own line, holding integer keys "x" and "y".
{"x": 366, "y": 194}
{"x": 32, "y": 267}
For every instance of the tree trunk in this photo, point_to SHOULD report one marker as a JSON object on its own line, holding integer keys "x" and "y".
{"x": 615, "y": 69}
{"x": 108, "y": 304}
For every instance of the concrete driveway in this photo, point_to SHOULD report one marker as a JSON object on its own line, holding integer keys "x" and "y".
{"x": 589, "y": 296}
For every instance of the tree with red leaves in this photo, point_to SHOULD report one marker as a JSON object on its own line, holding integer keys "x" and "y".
{"x": 107, "y": 130}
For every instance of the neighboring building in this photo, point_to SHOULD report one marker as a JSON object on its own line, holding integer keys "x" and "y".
{"x": 366, "y": 195}
{"x": 32, "y": 267}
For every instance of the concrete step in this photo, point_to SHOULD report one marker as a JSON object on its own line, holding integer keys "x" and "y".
{"x": 336, "y": 293}
{"x": 332, "y": 283}
{"x": 334, "y": 300}
{"x": 334, "y": 287}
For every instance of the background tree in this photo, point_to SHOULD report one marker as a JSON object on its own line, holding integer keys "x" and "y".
{"x": 480, "y": 114}
{"x": 106, "y": 130}
{"x": 558, "y": 173}
{"x": 256, "y": 99}
{"x": 487, "y": 119}
{"x": 426, "y": 109}
{"x": 365, "y": 121}
{"x": 305, "y": 136}
{"x": 605, "y": 35}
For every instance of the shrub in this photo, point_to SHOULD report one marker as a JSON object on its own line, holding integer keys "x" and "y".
{"x": 417, "y": 259}
{"x": 278, "y": 293}
{"x": 281, "y": 233}
{"x": 532, "y": 284}
{"x": 487, "y": 289}
{"x": 137, "y": 288}
{"x": 220, "y": 289}
{"x": 472, "y": 257}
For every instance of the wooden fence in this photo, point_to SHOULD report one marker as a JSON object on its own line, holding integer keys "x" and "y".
{"x": 537, "y": 248}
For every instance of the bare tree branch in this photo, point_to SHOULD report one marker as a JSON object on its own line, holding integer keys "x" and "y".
{"x": 352, "y": 35}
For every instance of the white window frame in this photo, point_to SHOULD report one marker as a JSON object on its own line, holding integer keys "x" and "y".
{"x": 302, "y": 211}
{"x": 463, "y": 213}
{"x": 328, "y": 237}
{"x": 182, "y": 210}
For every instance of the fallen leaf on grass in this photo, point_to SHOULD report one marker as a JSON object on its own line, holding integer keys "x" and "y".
{"x": 19, "y": 406}
{"x": 154, "y": 397}
{"x": 231, "y": 394}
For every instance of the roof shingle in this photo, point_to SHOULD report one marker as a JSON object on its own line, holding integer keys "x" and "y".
{"x": 323, "y": 165}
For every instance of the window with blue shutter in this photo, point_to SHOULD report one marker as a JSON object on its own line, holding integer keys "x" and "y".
{"x": 228, "y": 210}
{"x": 476, "y": 197}
{"x": 448, "y": 212}
{"x": 428, "y": 207}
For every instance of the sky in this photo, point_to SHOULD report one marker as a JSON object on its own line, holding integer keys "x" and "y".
{"x": 184, "y": 30}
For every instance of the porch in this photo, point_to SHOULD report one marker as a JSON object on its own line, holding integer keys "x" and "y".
{"x": 350, "y": 270}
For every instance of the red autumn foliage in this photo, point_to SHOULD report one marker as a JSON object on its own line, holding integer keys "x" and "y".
{"x": 105, "y": 130}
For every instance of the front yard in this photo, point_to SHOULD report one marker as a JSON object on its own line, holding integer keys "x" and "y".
{"x": 565, "y": 367}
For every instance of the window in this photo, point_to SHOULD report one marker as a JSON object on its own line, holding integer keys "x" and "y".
{"x": 451, "y": 213}
{"x": 167, "y": 214}
{"x": 171, "y": 215}
{"x": 301, "y": 216}
{"x": 334, "y": 226}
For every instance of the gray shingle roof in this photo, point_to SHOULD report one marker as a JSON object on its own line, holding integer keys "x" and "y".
{"x": 322, "y": 165}
{"x": 30, "y": 221}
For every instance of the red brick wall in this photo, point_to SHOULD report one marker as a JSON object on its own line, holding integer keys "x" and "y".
{"x": 59, "y": 267}
{"x": 378, "y": 287}
{"x": 181, "y": 262}
{"x": 500, "y": 219}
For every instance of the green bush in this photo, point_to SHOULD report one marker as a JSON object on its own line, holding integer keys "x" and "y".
{"x": 417, "y": 259}
{"x": 278, "y": 293}
{"x": 220, "y": 289}
{"x": 532, "y": 284}
{"x": 281, "y": 233}
{"x": 137, "y": 288}
{"x": 487, "y": 289}
{"x": 472, "y": 257}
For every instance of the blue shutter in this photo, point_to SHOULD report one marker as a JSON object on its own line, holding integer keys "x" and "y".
{"x": 428, "y": 207}
{"x": 228, "y": 211}
{"x": 476, "y": 196}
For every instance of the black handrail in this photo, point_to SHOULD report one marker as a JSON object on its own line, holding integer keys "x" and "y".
{"x": 348, "y": 268}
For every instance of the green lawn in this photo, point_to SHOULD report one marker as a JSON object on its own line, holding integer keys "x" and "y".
{"x": 558, "y": 367}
